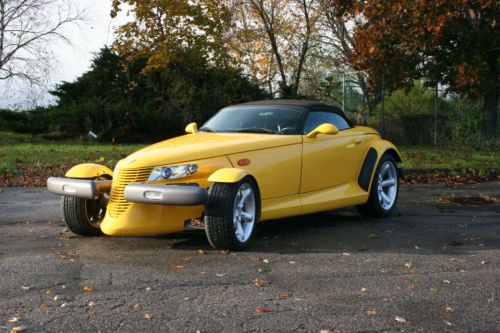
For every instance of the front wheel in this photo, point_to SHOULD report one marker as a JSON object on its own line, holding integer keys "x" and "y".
{"x": 231, "y": 213}
{"x": 384, "y": 191}
{"x": 82, "y": 216}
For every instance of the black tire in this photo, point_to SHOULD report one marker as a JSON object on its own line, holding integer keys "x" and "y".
{"x": 373, "y": 208}
{"x": 219, "y": 225}
{"x": 75, "y": 211}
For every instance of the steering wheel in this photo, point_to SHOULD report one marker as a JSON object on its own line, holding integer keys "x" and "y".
{"x": 286, "y": 130}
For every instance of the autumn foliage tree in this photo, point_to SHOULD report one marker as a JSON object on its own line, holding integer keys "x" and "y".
{"x": 452, "y": 42}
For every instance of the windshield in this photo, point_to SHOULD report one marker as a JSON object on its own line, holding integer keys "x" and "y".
{"x": 256, "y": 119}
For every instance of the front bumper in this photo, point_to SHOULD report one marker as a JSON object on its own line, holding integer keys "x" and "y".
{"x": 174, "y": 195}
{"x": 80, "y": 188}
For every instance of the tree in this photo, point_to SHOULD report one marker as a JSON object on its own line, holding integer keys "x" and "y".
{"x": 452, "y": 42}
{"x": 27, "y": 27}
{"x": 161, "y": 28}
{"x": 274, "y": 38}
{"x": 336, "y": 39}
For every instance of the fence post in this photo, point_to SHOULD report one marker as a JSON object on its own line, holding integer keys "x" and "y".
{"x": 343, "y": 92}
{"x": 382, "y": 115}
{"x": 436, "y": 106}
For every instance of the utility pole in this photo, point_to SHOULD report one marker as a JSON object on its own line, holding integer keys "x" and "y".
{"x": 436, "y": 106}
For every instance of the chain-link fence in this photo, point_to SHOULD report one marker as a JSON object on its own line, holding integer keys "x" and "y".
{"x": 420, "y": 116}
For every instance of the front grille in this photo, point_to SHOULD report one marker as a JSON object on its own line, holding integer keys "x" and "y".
{"x": 117, "y": 203}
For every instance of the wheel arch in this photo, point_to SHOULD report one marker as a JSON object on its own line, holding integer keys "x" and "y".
{"x": 233, "y": 175}
{"x": 89, "y": 171}
{"x": 372, "y": 159}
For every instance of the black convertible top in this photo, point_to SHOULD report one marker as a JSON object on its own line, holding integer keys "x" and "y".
{"x": 303, "y": 104}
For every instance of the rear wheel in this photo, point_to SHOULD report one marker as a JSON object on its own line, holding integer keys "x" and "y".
{"x": 231, "y": 213}
{"x": 384, "y": 191}
{"x": 83, "y": 216}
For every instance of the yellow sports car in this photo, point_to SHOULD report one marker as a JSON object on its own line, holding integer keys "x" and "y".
{"x": 249, "y": 163}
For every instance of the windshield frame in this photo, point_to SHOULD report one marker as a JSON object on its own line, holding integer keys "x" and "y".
{"x": 298, "y": 131}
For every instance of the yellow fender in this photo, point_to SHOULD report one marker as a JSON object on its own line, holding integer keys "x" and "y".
{"x": 381, "y": 147}
{"x": 89, "y": 170}
{"x": 228, "y": 175}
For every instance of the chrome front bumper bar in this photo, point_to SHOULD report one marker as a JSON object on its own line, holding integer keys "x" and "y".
{"x": 80, "y": 188}
{"x": 175, "y": 195}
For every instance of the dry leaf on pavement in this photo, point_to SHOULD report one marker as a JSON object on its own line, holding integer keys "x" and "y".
{"x": 448, "y": 309}
{"x": 371, "y": 312}
{"x": 148, "y": 315}
{"x": 400, "y": 319}
{"x": 17, "y": 329}
{"x": 258, "y": 282}
{"x": 88, "y": 289}
{"x": 263, "y": 310}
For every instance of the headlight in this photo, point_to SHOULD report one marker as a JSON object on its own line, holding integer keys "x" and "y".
{"x": 173, "y": 172}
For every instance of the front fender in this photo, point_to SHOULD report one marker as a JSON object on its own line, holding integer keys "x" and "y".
{"x": 89, "y": 170}
{"x": 372, "y": 159}
{"x": 384, "y": 146}
{"x": 228, "y": 175}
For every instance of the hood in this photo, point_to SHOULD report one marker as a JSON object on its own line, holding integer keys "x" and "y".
{"x": 204, "y": 145}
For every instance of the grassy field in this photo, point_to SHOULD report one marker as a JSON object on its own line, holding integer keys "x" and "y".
{"x": 22, "y": 155}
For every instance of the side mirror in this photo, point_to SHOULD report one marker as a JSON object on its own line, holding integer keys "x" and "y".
{"x": 191, "y": 128}
{"x": 326, "y": 128}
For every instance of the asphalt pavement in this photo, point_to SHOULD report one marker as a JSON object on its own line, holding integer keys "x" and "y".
{"x": 432, "y": 267}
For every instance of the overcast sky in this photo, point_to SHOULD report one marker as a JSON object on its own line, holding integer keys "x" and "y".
{"x": 71, "y": 60}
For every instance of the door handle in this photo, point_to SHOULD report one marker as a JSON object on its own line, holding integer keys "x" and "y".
{"x": 358, "y": 141}
{"x": 354, "y": 143}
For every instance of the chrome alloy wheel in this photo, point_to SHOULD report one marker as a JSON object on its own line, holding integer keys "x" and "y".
{"x": 244, "y": 212}
{"x": 387, "y": 185}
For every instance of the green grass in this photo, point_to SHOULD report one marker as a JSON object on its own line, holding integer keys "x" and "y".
{"x": 450, "y": 158}
{"x": 20, "y": 152}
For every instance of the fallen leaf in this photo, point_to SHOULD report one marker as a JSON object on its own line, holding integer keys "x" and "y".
{"x": 461, "y": 270}
{"x": 148, "y": 289}
{"x": 364, "y": 290}
{"x": 400, "y": 320}
{"x": 409, "y": 264}
{"x": 91, "y": 304}
{"x": 386, "y": 270}
{"x": 17, "y": 329}
{"x": 258, "y": 282}
{"x": 282, "y": 294}
{"x": 48, "y": 292}
{"x": 434, "y": 290}
{"x": 447, "y": 281}
{"x": 13, "y": 320}
{"x": 448, "y": 323}
{"x": 202, "y": 252}
{"x": 414, "y": 286}
{"x": 88, "y": 289}
{"x": 346, "y": 254}
{"x": 25, "y": 288}
{"x": 266, "y": 261}
{"x": 371, "y": 312}
{"x": 263, "y": 310}
{"x": 64, "y": 305}
{"x": 262, "y": 270}
{"x": 448, "y": 309}
{"x": 291, "y": 262}
{"x": 177, "y": 266}
{"x": 148, "y": 315}
{"x": 221, "y": 274}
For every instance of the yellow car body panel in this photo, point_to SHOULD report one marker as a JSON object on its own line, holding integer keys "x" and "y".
{"x": 89, "y": 170}
{"x": 227, "y": 175}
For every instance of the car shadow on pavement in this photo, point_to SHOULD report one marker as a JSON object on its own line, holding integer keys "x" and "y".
{"x": 346, "y": 231}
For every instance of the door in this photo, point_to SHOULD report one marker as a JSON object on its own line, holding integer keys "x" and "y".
{"x": 329, "y": 160}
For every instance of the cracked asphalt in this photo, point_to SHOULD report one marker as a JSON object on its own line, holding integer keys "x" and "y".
{"x": 433, "y": 266}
